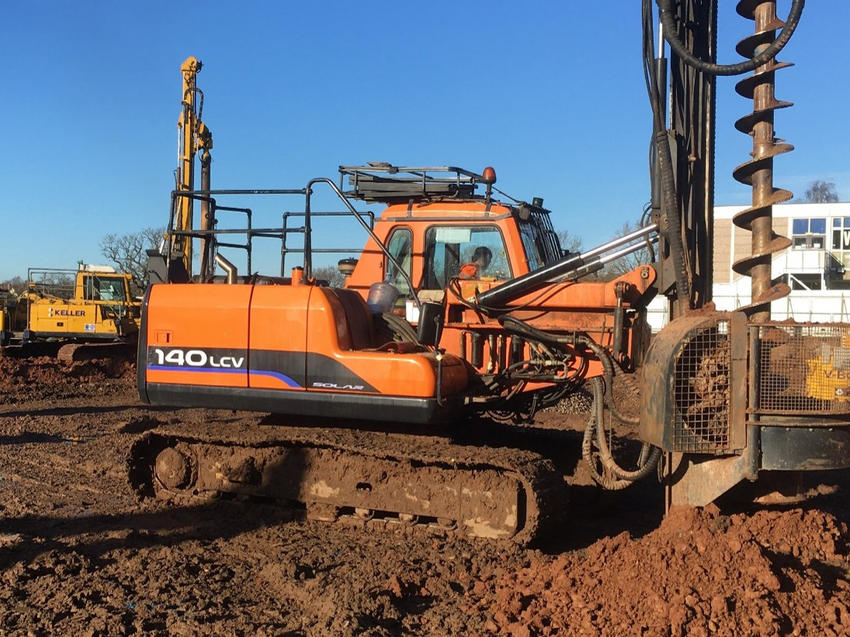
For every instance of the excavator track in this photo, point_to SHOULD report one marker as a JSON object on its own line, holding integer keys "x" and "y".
{"x": 366, "y": 478}
{"x": 75, "y": 352}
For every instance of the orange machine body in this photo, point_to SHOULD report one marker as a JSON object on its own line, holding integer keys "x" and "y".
{"x": 418, "y": 219}
{"x": 586, "y": 306}
{"x": 295, "y": 349}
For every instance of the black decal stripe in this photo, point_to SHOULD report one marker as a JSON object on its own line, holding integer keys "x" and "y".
{"x": 307, "y": 369}
{"x": 291, "y": 364}
{"x": 324, "y": 369}
{"x": 304, "y": 369}
{"x": 348, "y": 406}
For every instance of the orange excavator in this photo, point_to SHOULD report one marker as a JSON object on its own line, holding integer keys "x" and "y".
{"x": 462, "y": 305}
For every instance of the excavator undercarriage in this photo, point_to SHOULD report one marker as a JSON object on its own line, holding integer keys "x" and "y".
{"x": 346, "y": 474}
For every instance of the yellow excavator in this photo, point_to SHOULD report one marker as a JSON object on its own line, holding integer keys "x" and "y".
{"x": 76, "y": 314}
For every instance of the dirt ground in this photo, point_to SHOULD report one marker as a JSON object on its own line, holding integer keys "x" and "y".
{"x": 80, "y": 554}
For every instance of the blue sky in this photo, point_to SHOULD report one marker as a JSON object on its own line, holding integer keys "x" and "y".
{"x": 549, "y": 93}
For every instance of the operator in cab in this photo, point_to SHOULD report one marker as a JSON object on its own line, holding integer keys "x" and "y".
{"x": 481, "y": 259}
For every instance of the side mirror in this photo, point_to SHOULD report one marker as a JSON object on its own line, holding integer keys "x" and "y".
{"x": 430, "y": 323}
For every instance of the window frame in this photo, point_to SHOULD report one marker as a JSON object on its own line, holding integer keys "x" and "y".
{"x": 807, "y": 240}
{"x": 429, "y": 252}
{"x": 397, "y": 279}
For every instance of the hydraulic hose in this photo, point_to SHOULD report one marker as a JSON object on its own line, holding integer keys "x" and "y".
{"x": 610, "y": 371}
{"x": 601, "y": 395}
{"x": 649, "y": 455}
{"x": 395, "y": 326}
{"x": 606, "y": 481}
{"x": 652, "y": 454}
{"x": 673, "y": 224}
{"x": 666, "y": 15}
{"x": 522, "y": 328}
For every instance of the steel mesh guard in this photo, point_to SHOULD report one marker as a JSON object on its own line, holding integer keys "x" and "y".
{"x": 804, "y": 368}
{"x": 701, "y": 390}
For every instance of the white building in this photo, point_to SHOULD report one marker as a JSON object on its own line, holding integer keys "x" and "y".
{"x": 816, "y": 266}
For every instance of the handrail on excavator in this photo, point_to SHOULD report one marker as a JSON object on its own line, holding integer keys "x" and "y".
{"x": 308, "y": 257}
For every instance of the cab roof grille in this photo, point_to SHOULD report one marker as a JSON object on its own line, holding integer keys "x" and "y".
{"x": 389, "y": 184}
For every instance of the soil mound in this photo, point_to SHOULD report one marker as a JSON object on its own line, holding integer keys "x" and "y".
{"x": 40, "y": 378}
{"x": 699, "y": 573}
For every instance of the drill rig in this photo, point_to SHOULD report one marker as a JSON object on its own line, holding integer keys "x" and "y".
{"x": 727, "y": 395}
{"x": 356, "y": 390}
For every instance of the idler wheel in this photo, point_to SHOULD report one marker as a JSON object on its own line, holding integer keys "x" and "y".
{"x": 172, "y": 468}
{"x": 408, "y": 518}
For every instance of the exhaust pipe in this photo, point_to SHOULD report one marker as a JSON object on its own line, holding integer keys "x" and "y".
{"x": 229, "y": 269}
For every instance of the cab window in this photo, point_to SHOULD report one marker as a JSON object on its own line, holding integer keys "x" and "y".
{"x": 400, "y": 246}
{"x": 103, "y": 289}
{"x": 112, "y": 289}
{"x": 449, "y": 249}
{"x": 533, "y": 245}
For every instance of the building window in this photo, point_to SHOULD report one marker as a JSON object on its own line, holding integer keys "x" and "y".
{"x": 841, "y": 233}
{"x": 839, "y": 262}
{"x": 809, "y": 234}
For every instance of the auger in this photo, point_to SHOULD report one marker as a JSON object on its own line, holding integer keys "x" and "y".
{"x": 758, "y": 172}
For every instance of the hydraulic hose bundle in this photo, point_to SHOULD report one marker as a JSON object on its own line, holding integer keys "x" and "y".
{"x": 613, "y": 476}
{"x": 616, "y": 477}
{"x": 666, "y": 15}
{"x": 549, "y": 362}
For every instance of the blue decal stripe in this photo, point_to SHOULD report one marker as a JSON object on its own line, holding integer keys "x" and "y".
{"x": 286, "y": 379}
{"x": 221, "y": 370}
{"x": 224, "y": 370}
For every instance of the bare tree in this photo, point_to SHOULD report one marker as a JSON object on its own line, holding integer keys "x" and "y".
{"x": 331, "y": 274}
{"x": 569, "y": 242}
{"x": 128, "y": 252}
{"x": 16, "y": 283}
{"x": 821, "y": 191}
{"x": 629, "y": 262}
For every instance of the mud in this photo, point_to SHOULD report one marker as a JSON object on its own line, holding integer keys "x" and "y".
{"x": 699, "y": 573}
{"x": 41, "y": 378}
{"x": 80, "y": 554}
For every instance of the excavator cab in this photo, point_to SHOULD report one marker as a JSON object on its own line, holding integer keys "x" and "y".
{"x": 440, "y": 241}
{"x": 435, "y": 221}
